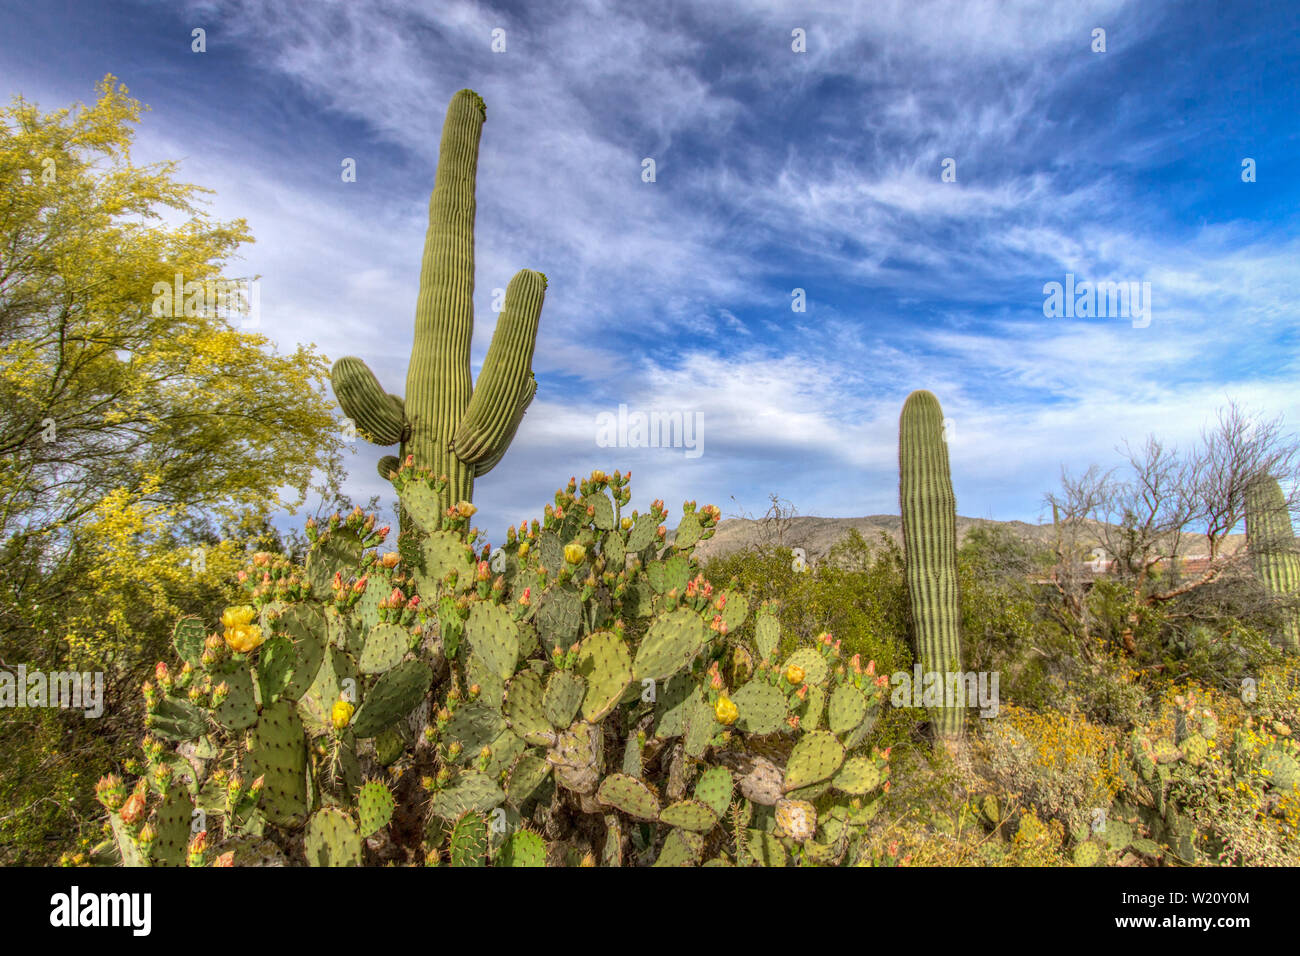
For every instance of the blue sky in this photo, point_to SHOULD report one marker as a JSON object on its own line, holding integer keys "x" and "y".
{"x": 776, "y": 170}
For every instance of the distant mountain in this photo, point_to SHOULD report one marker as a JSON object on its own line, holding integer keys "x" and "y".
{"x": 817, "y": 535}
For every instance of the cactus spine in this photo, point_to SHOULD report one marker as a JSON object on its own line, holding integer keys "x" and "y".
{"x": 1271, "y": 542}
{"x": 929, "y": 512}
{"x": 447, "y": 423}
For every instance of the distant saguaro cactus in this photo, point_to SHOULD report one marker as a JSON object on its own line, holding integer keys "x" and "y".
{"x": 447, "y": 423}
{"x": 1271, "y": 542}
{"x": 929, "y": 512}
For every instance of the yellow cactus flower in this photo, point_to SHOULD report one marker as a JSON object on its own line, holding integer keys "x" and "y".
{"x": 341, "y": 713}
{"x": 465, "y": 509}
{"x": 244, "y": 638}
{"x": 574, "y": 553}
{"x": 794, "y": 674}
{"x": 725, "y": 711}
{"x": 233, "y": 617}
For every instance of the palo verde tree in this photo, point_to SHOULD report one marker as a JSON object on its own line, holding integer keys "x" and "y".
{"x": 129, "y": 419}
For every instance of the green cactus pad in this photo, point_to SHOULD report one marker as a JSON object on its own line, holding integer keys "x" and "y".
{"x": 315, "y": 706}
{"x": 688, "y": 531}
{"x": 847, "y": 708}
{"x": 763, "y": 708}
{"x": 615, "y": 551}
{"x": 633, "y": 752}
{"x": 604, "y": 516}
{"x": 642, "y": 533}
{"x": 630, "y": 795}
{"x": 494, "y": 637}
{"x": 468, "y": 845}
{"x": 469, "y": 791}
{"x": 563, "y": 696}
{"x": 239, "y": 709}
{"x": 1280, "y": 769}
{"x": 671, "y": 643}
{"x": 375, "y": 806}
{"x": 504, "y": 750}
{"x": 172, "y": 824}
{"x": 689, "y": 815}
{"x": 337, "y": 550}
{"x": 672, "y": 703}
{"x": 681, "y": 848}
{"x": 606, "y": 665}
{"x": 421, "y": 503}
{"x": 701, "y": 727}
{"x": 177, "y": 719}
{"x": 365, "y": 613}
{"x": 474, "y": 725}
{"x": 385, "y": 646}
{"x": 857, "y": 776}
{"x": 1147, "y": 848}
{"x": 1118, "y": 834}
{"x": 559, "y": 616}
{"x": 522, "y": 848}
{"x": 814, "y": 758}
{"x": 492, "y": 688}
{"x": 332, "y": 839}
{"x": 767, "y": 634}
{"x": 1089, "y": 853}
{"x": 443, "y": 552}
{"x": 714, "y": 789}
{"x": 344, "y": 631}
{"x": 278, "y": 751}
{"x": 814, "y": 666}
{"x": 188, "y": 638}
{"x": 528, "y": 773}
{"x": 275, "y": 662}
{"x": 304, "y": 625}
{"x": 766, "y": 849}
{"x": 735, "y": 611}
{"x": 524, "y": 711}
{"x": 814, "y": 707}
{"x": 394, "y": 695}
{"x": 669, "y": 575}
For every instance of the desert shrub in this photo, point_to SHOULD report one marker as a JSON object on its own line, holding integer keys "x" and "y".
{"x": 1063, "y": 764}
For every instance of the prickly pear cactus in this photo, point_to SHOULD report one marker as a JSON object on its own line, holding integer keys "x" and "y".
{"x": 448, "y": 703}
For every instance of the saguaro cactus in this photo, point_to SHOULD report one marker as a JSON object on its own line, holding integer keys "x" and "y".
{"x": 447, "y": 423}
{"x": 1271, "y": 542}
{"x": 929, "y": 512}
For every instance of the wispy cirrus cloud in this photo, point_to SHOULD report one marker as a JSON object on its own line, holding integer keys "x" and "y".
{"x": 775, "y": 171}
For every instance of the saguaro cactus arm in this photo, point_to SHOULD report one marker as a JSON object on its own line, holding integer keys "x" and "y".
{"x": 381, "y": 417}
{"x": 929, "y": 512}
{"x": 446, "y": 423}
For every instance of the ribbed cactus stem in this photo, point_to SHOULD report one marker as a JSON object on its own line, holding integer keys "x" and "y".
{"x": 447, "y": 423}
{"x": 929, "y": 512}
{"x": 1271, "y": 542}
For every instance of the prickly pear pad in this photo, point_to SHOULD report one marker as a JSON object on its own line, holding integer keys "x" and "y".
{"x": 278, "y": 752}
{"x": 671, "y": 643}
{"x": 814, "y": 758}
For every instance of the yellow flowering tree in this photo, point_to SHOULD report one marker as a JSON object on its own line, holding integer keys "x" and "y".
{"x": 141, "y": 432}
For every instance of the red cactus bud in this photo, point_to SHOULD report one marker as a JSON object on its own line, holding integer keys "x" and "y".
{"x": 133, "y": 808}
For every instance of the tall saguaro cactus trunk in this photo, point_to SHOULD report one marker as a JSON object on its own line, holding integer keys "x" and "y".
{"x": 1272, "y": 545}
{"x": 929, "y": 511}
{"x": 447, "y": 422}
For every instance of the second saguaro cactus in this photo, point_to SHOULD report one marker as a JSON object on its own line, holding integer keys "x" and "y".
{"x": 447, "y": 422}
{"x": 929, "y": 511}
{"x": 1271, "y": 542}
